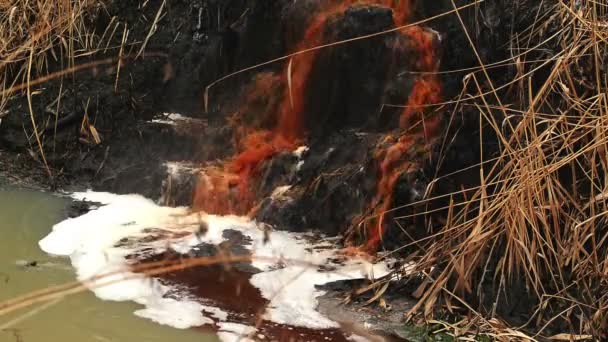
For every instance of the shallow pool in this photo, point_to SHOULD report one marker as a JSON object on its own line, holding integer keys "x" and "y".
{"x": 25, "y": 218}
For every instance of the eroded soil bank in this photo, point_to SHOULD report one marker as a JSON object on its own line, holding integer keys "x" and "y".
{"x": 331, "y": 140}
{"x": 343, "y": 108}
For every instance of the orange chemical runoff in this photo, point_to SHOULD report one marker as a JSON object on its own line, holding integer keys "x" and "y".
{"x": 228, "y": 189}
{"x": 417, "y": 128}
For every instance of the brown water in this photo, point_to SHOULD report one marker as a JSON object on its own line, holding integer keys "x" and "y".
{"x": 25, "y": 218}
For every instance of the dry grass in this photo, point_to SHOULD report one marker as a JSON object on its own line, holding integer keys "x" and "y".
{"x": 36, "y": 39}
{"x": 36, "y": 34}
{"x": 539, "y": 213}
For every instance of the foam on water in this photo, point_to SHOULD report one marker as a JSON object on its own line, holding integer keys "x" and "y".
{"x": 91, "y": 243}
{"x": 292, "y": 288}
{"x": 100, "y": 241}
{"x": 234, "y": 332}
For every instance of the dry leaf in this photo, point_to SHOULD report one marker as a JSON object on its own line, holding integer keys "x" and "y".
{"x": 570, "y": 337}
{"x": 378, "y": 294}
{"x": 289, "y": 82}
{"x": 95, "y": 134}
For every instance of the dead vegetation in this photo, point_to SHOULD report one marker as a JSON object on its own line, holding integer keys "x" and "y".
{"x": 536, "y": 224}
{"x": 43, "y": 42}
{"x": 37, "y": 38}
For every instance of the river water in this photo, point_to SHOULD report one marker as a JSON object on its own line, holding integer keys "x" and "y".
{"x": 25, "y": 218}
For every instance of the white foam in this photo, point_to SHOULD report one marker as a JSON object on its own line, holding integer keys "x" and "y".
{"x": 234, "y": 332}
{"x": 181, "y": 314}
{"x": 357, "y": 338}
{"x": 292, "y": 289}
{"x": 217, "y": 313}
{"x": 99, "y": 197}
{"x": 175, "y": 119}
{"x": 90, "y": 242}
{"x": 99, "y": 242}
{"x": 299, "y": 152}
{"x": 299, "y": 165}
{"x": 177, "y": 169}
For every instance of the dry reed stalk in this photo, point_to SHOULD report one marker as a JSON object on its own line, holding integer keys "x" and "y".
{"x": 540, "y": 211}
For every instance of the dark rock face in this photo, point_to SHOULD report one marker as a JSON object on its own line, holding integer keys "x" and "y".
{"x": 346, "y": 122}
{"x": 352, "y": 96}
{"x": 332, "y": 186}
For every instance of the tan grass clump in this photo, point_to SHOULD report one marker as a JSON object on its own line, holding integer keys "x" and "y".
{"x": 37, "y": 38}
{"x": 540, "y": 213}
{"x": 43, "y": 29}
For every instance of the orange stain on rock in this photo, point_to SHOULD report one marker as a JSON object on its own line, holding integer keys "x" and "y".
{"x": 290, "y": 123}
{"x": 392, "y": 167}
{"x": 401, "y": 10}
{"x": 399, "y": 159}
{"x": 258, "y": 146}
{"x": 229, "y": 189}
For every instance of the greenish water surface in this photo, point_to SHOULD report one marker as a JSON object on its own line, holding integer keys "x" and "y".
{"x": 26, "y": 217}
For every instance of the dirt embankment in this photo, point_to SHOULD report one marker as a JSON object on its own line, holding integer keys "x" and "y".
{"x": 378, "y": 138}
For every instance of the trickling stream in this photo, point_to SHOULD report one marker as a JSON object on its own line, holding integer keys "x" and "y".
{"x": 26, "y": 217}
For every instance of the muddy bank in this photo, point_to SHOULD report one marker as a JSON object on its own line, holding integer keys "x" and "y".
{"x": 20, "y": 170}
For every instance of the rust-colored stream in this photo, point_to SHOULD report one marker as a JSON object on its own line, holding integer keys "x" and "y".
{"x": 228, "y": 189}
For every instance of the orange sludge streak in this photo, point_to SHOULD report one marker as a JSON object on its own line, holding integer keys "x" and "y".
{"x": 259, "y": 146}
{"x": 396, "y": 158}
{"x": 228, "y": 189}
